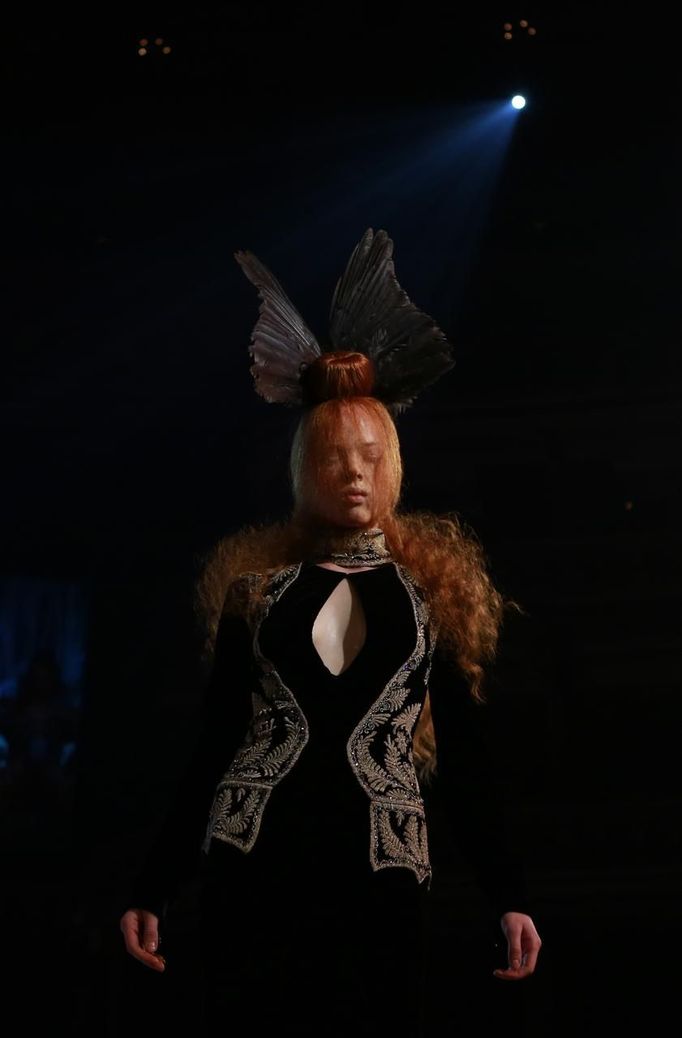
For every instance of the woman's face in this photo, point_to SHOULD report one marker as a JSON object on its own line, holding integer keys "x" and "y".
{"x": 347, "y": 490}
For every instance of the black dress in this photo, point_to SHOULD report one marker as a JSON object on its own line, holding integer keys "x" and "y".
{"x": 301, "y": 934}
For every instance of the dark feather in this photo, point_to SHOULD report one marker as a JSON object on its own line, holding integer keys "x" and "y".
{"x": 281, "y": 340}
{"x": 372, "y": 314}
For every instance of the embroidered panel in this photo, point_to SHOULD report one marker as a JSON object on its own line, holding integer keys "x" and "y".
{"x": 236, "y": 814}
{"x": 380, "y": 753}
{"x": 398, "y": 836}
{"x": 276, "y": 736}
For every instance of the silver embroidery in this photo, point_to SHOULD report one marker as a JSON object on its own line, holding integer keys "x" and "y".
{"x": 379, "y": 751}
{"x": 359, "y": 547}
{"x": 398, "y": 836}
{"x": 236, "y": 814}
{"x": 277, "y": 734}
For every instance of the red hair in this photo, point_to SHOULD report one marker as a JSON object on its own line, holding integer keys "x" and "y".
{"x": 343, "y": 373}
{"x": 443, "y": 555}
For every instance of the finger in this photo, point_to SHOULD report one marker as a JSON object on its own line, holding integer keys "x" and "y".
{"x": 151, "y": 959}
{"x": 149, "y": 943}
{"x": 150, "y": 935}
{"x": 513, "y": 974}
{"x": 144, "y": 950}
{"x": 133, "y": 930}
{"x": 156, "y": 962}
{"x": 130, "y": 934}
{"x": 516, "y": 972}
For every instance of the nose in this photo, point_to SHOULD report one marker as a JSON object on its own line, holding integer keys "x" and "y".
{"x": 353, "y": 469}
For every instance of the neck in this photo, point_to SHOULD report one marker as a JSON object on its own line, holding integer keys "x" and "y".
{"x": 346, "y": 546}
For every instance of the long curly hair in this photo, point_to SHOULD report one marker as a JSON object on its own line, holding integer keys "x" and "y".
{"x": 442, "y": 553}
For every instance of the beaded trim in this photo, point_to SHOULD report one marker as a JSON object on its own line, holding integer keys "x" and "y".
{"x": 352, "y": 547}
{"x": 276, "y": 736}
{"x": 379, "y": 751}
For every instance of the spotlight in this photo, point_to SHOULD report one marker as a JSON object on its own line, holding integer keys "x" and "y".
{"x": 518, "y": 101}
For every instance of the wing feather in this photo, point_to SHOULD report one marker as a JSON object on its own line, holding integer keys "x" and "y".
{"x": 281, "y": 341}
{"x": 370, "y": 312}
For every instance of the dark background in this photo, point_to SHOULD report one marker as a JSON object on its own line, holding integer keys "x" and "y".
{"x": 134, "y": 438}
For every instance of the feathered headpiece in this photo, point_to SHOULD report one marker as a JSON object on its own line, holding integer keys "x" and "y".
{"x": 370, "y": 314}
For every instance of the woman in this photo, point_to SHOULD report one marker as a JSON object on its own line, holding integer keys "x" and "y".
{"x": 347, "y": 664}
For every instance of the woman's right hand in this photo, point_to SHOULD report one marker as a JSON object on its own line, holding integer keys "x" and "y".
{"x": 140, "y": 930}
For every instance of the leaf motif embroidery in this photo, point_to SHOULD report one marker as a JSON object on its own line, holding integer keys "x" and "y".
{"x": 408, "y": 718}
{"x": 391, "y": 844}
{"x": 380, "y": 752}
{"x": 260, "y": 759}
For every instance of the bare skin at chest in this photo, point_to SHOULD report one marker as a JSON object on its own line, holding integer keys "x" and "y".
{"x": 340, "y": 629}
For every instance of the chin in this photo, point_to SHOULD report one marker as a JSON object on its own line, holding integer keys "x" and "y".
{"x": 357, "y": 517}
{"x": 349, "y": 519}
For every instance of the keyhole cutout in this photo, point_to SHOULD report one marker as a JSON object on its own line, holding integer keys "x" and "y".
{"x": 339, "y": 630}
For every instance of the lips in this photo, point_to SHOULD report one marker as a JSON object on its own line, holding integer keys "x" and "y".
{"x": 355, "y": 495}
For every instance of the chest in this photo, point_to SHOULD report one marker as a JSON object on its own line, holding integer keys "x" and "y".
{"x": 339, "y": 628}
{"x": 330, "y": 626}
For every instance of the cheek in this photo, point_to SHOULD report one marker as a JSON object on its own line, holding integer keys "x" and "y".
{"x": 380, "y": 486}
{"x": 328, "y": 485}
{"x": 373, "y": 475}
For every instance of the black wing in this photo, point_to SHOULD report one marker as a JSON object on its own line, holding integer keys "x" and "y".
{"x": 281, "y": 340}
{"x": 371, "y": 313}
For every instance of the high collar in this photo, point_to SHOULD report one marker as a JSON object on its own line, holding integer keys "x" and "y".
{"x": 349, "y": 547}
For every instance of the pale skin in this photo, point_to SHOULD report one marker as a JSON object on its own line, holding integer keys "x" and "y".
{"x": 351, "y": 465}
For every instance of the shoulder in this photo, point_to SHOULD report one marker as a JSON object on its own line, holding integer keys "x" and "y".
{"x": 234, "y": 563}
{"x": 254, "y": 588}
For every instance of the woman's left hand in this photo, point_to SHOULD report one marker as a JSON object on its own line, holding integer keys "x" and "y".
{"x": 523, "y": 946}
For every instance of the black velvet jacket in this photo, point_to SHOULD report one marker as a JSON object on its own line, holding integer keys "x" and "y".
{"x": 294, "y": 762}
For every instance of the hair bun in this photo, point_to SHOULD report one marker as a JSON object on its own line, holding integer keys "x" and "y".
{"x": 340, "y": 373}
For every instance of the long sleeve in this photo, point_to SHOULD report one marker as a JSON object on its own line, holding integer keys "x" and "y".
{"x": 174, "y": 854}
{"x": 468, "y": 781}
